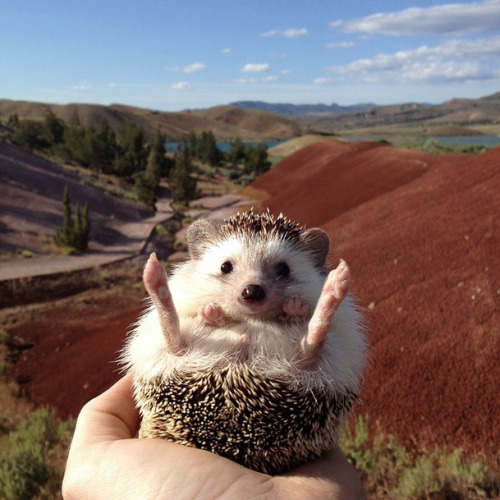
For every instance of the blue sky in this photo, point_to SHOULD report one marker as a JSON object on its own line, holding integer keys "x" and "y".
{"x": 174, "y": 55}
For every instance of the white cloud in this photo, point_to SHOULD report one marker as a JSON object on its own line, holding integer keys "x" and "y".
{"x": 112, "y": 85}
{"x": 339, "y": 45}
{"x": 257, "y": 81}
{"x": 81, "y": 87}
{"x": 225, "y": 51}
{"x": 452, "y": 61}
{"x": 289, "y": 33}
{"x": 454, "y": 18}
{"x": 270, "y": 79}
{"x": 181, "y": 86}
{"x": 247, "y": 81}
{"x": 255, "y": 68}
{"x": 191, "y": 68}
{"x": 321, "y": 81}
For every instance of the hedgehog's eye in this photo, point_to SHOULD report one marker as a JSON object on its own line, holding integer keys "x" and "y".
{"x": 226, "y": 267}
{"x": 282, "y": 270}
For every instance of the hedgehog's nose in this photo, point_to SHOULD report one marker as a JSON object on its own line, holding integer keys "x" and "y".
{"x": 253, "y": 292}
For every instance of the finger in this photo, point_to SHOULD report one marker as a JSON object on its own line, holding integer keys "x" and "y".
{"x": 108, "y": 417}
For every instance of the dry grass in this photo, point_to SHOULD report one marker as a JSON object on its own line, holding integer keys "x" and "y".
{"x": 389, "y": 470}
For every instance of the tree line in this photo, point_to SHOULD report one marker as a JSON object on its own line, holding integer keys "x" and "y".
{"x": 129, "y": 155}
{"x": 141, "y": 163}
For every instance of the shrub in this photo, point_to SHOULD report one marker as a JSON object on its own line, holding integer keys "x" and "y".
{"x": 23, "y": 471}
{"x": 24, "y": 253}
{"x": 25, "y": 467}
{"x": 388, "y": 470}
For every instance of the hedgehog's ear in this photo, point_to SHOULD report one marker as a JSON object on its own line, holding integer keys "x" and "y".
{"x": 317, "y": 242}
{"x": 199, "y": 235}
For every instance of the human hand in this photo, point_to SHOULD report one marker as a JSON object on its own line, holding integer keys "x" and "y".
{"x": 107, "y": 462}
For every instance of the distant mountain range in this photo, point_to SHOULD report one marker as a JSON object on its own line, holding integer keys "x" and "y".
{"x": 287, "y": 109}
{"x": 454, "y": 117}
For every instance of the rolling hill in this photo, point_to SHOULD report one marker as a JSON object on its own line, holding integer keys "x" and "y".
{"x": 226, "y": 122}
{"x": 255, "y": 120}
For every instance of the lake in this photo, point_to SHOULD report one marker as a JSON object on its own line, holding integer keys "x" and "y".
{"x": 225, "y": 146}
{"x": 488, "y": 141}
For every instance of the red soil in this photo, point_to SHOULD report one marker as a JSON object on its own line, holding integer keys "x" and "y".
{"x": 421, "y": 235}
{"x": 75, "y": 352}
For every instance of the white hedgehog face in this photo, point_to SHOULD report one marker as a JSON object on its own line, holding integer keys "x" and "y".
{"x": 250, "y": 276}
{"x": 250, "y": 266}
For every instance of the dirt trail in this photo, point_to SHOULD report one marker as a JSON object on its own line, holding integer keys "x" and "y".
{"x": 130, "y": 240}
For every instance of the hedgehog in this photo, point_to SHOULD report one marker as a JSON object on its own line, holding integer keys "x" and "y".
{"x": 252, "y": 348}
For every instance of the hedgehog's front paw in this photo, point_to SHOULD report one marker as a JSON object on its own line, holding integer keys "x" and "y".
{"x": 211, "y": 314}
{"x": 295, "y": 308}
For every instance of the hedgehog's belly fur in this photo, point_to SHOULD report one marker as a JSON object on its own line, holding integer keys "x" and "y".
{"x": 267, "y": 425}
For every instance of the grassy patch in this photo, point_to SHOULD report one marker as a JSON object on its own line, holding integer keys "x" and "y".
{"x": 434, "y": 147}
{"x": 389, "y": 470}
{"x": 24, "y": 253}
{"x": 110, "y": 185}
{"x": 215, "y": 181}
{"x": 4, "y": 256}
{"x": 33, "y": 457}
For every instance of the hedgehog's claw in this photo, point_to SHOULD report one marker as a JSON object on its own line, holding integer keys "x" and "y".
{"x": 295, "y": 307}
{"x": 211, "y": 314}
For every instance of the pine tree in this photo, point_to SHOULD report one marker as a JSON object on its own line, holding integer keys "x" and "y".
{"x": 67, "y": 220}
{"x": 13, "y": 121}
{"x": 256, "y": 161}
{"x": 53, "y": 129}
{"x": 156, "y": 159}
{"x": 75, "y": 232}
{"x": 146, "y": 183}
{"x": 77, "y": 240}
{"x": 236, "y": 152}
{"x": 182, "y": 184}
{"x": 29, "y": 134}
{"x": 131, "y": 158}
{"x": 102, "y": 143}
{"x": 207, "y": 149}
{"x": 86, "y": 225}
{"x": 192, "y": 143}
{"x": 72, "y": 148}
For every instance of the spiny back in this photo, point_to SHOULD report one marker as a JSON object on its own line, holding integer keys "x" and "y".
{"x": 265, "y": 225}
